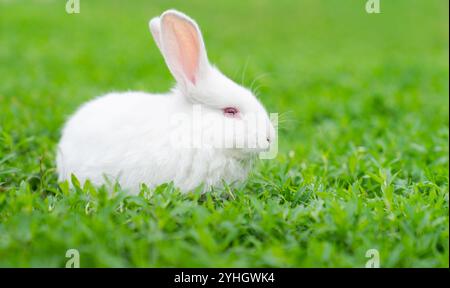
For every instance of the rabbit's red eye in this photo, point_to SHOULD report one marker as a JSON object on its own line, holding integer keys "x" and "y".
{"x": 230, "y": 112}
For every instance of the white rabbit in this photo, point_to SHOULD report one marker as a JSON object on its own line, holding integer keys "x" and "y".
{"x": 136, "y": 138}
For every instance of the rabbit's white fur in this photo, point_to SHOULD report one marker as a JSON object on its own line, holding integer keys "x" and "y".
{"x": 128, "y": 137}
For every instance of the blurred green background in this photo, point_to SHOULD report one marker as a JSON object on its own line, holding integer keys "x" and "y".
{"x": 363, "y": 163}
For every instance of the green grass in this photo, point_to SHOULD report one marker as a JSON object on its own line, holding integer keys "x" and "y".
{"x": 364, "y": 141}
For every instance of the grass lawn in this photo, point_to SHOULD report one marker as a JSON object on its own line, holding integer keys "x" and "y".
{"x": 364, "y": 135}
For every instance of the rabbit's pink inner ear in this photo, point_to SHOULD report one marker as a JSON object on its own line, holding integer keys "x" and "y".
{"x": 187, "y": 44}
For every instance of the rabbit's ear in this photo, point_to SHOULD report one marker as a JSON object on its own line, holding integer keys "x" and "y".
{"x": 182, "y": 47}
{"x": 155, "y": 29}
